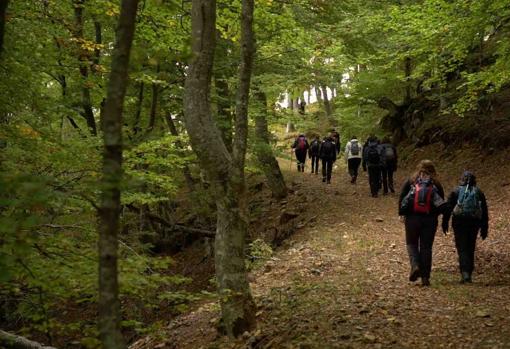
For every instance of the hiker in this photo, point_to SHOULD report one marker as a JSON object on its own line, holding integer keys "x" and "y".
{"x": 302, "y": 106}
{"x": 300, "y": 147}
{"x": 421, "y": 201}
{"x": 372, "y": 163}
{"x": 468, "y": 206}
{"x": 313, "y": 154}
{"x": 336, "y": 138}
{"x": 388, "y": 164}
{"x": 353, "y": 154}
{"x": 328, "y": 157}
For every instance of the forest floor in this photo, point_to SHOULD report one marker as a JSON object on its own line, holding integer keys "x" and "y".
{"x": 341, "y": 281}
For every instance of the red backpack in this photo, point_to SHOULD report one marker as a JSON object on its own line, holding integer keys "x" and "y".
{"x": 301, "y": 143}
{"x": 423, "y": 191}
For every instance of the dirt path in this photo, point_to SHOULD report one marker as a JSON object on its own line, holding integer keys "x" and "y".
{"x": 341, "y": 282}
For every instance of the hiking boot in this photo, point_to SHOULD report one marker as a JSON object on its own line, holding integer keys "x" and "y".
{"x": 324, "y": 180}
{"x": 329, "y": 182}
{"x": 415, "y": 273}
{"x": 425, "y": 281}
{"x": 466, "y": 278}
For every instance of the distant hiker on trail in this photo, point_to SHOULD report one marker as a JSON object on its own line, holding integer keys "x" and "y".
{"x": 389, "y": 162}
{"x": 468, "y": 206}
{"x": 300, "y": 147}
{"x": 302, "y": 106}
{"x": 313, "y": 153}
{"x": 421, "y": 201}
{"x": 328, "y": 157}
{"x": 336, "y": 138}
{"x": 353, "y": 155}
{"x": 372, "y": 162}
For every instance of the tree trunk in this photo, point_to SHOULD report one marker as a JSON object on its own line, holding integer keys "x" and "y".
{"x": 11, "y": 341}
{"x": 224, "y": 117}
{"x": 99, "y": 41}
{"x": 154, "y": 104}
{"x": 109, "y": 306}
{"x": 173, "y": 130}
{"x": 3, "y": 14}
{"x": 225, "y": 174}
{"x": 83, "y": 57}
{"x": 318, "y": 94}
{"x": 309, "y": 96}
{"x": 264, "y": 151}
{"x": 327, "y": 104}
{"x": 138, "y": 113}
{"x": 408, "y": 67}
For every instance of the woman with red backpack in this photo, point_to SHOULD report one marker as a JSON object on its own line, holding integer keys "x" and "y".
{"x": 300, "y": 147}
{"x": 421, "y": 201}
{"x": 468, "y": 206}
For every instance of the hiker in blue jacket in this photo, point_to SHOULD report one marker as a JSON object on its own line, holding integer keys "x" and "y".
{"x": 468, "y": 206}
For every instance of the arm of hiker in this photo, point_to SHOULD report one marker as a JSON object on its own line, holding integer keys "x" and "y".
{"x": 346, "y": 155}
{"x": 484, "y": 228}
{"x": 403, "y": 192}
{"x": 447, "y": 210}
{"x": 396, "y": 158}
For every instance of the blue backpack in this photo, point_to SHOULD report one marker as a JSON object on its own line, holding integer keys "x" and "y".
{"x": 468, "y": 204}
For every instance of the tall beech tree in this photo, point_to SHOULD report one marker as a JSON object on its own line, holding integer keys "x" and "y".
{"x": 224, "y": 171}
{"x": 109, "y": 307}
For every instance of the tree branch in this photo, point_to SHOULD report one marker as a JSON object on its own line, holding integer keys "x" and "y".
{"x": 11, "y": 341}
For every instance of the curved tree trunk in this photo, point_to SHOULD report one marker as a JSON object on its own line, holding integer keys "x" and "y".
{"x": 327, "y": 104}
{"x": 225, "y": 172}
{"x": 264, "y": 151}
{"x": 109, "y": 305}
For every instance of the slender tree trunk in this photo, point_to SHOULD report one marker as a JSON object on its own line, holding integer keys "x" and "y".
{"x": 138, "y": 112}
{"x": 83, "y": 57}
{"x": 318, "y": 94}
{"x": 264, "y": 151}
{"x": 99, "y": 40}
{"x": 408, "y": 71}
{"x": 308, "y": 101}
{"x": 291, "y": 102}
{"x": 173, "y": 130}
{"x": 225, "y": 172}
{"x": 154, "y": 104}
{"x": 109, "y": 305}
{"x": 325, "y": 99}
{"x": 224, "y": 118}
{"x": 3, "y": 15}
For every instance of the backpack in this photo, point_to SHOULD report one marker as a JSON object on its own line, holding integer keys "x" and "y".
{"x": 314, "y": 147}
{"x": 389, "y": 153}
{"x": 421, "y": 198}
{"x": 301, "y": 143}
{"x": 354, "y": 148}
{"x": 373, "y": 155}
{"x": 328, "y": 150}
{"x": 468, "y": 204}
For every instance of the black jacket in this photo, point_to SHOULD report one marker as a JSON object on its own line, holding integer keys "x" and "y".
{"x": 328, "y": 150}
{"x": 387, "y": 162}
{"x": 483, "y": 223}
{"x": 315, "y": 148}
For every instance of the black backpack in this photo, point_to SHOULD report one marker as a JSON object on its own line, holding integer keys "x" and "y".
{"x": 354, "y": 148}
{"x": 328, "y": 150}
{"x": 373, "y": 156}
{"x": 315, "y": 147}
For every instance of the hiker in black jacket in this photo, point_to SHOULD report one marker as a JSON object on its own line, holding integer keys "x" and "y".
{"x": 389, "y": 162}
{"x": 328, "y": 157}
{"x": 468, "y": 206}
{"x": 300, "y": 147}
{"x": 421, "y": 201}
{"x": 336, "y": 138}
{"x": 313, "y": 153}
{"x": 372, "y": 162}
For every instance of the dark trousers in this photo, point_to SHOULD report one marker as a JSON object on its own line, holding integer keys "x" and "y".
{"x": 353, "y": 165}
{"x": 327, "y": 169}
{"x": 301, "y": 159}
{"x": 315, "y": 164}
{"x": 465, "y": 242}
{"x": 374, "y": 178}
{"x": 387, "y": 178}
{"x": 420, "y": 233}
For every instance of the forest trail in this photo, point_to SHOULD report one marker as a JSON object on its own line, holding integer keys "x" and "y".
{"x": 342, "y": 282}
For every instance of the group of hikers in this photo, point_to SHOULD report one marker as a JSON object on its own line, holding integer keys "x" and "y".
{"x": 377, "y": 157}
{"x": 421, "y": 200}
